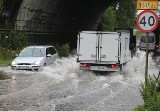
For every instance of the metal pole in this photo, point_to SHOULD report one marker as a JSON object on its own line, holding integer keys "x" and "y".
{"x": 146, "y": 68}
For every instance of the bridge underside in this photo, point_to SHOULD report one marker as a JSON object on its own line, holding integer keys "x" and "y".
{"x": 62, "y": 18}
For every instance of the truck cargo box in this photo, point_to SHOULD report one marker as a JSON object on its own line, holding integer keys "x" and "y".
{"x": 102, "y": 50}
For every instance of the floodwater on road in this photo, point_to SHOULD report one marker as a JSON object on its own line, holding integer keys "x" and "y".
{"x": 63, "y": 87}
{"x": 3, "y": 77}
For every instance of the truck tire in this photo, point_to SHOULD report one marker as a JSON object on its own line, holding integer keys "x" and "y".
{"x": 121, "y": 66}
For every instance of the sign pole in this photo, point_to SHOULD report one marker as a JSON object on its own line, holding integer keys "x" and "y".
{"x": 147, "y": 21}
{"x": 146, "y": 68}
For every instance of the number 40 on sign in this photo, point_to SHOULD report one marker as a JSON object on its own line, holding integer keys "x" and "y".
{"x": 147, "y": 21}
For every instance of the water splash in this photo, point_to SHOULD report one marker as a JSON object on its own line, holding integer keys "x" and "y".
{"x": 62, "y": 69}
{"x": 68, "y": 68}
{"x": 135, "y": 69}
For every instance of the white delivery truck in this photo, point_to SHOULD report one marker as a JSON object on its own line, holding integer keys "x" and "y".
{"x": 103, "y": 51}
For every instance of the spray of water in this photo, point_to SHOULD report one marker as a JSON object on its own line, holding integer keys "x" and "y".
{"x": 62, "y": 69}
{"x": 81, "y": 84}
{"x": 135, "y": 69}
{"x": 66, "y": 68}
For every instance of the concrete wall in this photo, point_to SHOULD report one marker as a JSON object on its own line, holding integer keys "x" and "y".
{"x": 62, "y": 18}
{"x": 60, "y": 15}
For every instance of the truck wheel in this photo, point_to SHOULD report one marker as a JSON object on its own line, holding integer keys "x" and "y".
{"x": 36, "y": 70}
{"x": 121, "y": 66}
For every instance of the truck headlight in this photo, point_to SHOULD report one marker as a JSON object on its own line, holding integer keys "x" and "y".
{"x": 36, "y": 63}
{"x": 14, "y": 63}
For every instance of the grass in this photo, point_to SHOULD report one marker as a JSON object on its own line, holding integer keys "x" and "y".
{"x": 150, "y": 93}
{"x": 5, "y": 62}
{"x": 6, "y": 56}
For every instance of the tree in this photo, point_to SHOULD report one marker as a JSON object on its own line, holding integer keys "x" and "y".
{"x": 121, "y": 14}
{"x": 108, "y": 20}
{"x": 125, "y": 11}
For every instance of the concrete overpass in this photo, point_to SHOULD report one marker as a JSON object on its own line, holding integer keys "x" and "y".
{"x": 61, "y": 18}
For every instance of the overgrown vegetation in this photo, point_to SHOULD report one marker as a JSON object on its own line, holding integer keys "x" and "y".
{"x": 6, "y": 54}
{"x": 108, "y": 20}
{"x": 121, "y": 14}
{"x": 125, "y": 11}
{"x": 63, "y": 50}
{"x": 5, "y": 62}
{"x": 13, "y": 40}
{"x": 151, "y": 95}
{"x": 10, "y": 44}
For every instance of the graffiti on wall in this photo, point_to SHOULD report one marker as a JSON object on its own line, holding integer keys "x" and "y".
{"x": 40, "y": 22}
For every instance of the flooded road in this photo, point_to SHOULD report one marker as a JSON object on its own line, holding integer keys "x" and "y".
{"x": 63, "y": 87}
{"x": 3, "y": 77}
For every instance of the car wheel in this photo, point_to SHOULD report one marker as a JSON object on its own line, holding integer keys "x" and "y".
{"x": 44, "y": 64}
{"x": 36, "y": 69}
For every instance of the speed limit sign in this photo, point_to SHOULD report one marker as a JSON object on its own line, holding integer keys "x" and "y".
{"x": 147, "y": 21}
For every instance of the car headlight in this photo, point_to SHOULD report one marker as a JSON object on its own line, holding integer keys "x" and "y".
{"x": 36, "y": 63}
{"x": 14, "y": 63}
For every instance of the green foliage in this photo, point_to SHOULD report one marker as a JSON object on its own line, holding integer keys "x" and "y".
{"x": 125, "y": 12}
{"x": 108, "y": 20}
{"x": 13, "y": 40}
{"x": 140, "y": 108}
{"x": 6, "y": 54}
{"x": 138, "y": 34}
{"x": 63, "y": 50}
{"x": 10, "y": 44}
{"x": 121, "y": 14}
{"x": 5, "y": 62}
{"x": 151, "y": 95}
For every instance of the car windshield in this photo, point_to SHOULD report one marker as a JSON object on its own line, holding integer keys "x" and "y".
{"x": 32, "y": 52}
{"x": 150, "y": 39}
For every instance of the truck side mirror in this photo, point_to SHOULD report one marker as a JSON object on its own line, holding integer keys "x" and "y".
{"x": 131, "y": 46}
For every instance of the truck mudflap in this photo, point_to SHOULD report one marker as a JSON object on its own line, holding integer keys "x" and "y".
{"x": 110, "y": 67}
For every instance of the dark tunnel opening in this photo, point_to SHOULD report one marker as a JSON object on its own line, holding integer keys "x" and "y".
{"x": 53, "y": 21}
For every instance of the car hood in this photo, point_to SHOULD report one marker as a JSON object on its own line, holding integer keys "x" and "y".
{"x": 28, "y": 59}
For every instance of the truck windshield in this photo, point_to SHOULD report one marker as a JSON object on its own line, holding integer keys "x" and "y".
{"x": 150, "y": 39}
{"x": 32, "y": 52}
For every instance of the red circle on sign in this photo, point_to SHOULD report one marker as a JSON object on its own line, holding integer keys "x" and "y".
{"x": 153, "y": 28}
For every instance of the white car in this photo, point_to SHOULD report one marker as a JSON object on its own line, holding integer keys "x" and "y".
{"x": 34, "y": 58}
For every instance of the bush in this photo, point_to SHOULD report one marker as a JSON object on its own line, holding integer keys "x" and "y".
{"x": 140, "y": 108}
{"x": 151, "y": 95}
{"x": 13, "y": 40}
{"x": 6, "y": 54}
{"x": 63, "y": 50}
{"x": 10, "y": 43}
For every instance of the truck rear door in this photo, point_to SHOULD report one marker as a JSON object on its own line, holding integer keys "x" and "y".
{"x": 87, "y": 43}
{"x": 109, "y": 47}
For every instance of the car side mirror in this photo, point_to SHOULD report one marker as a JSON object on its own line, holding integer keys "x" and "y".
{"x": 49, "y": 55}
